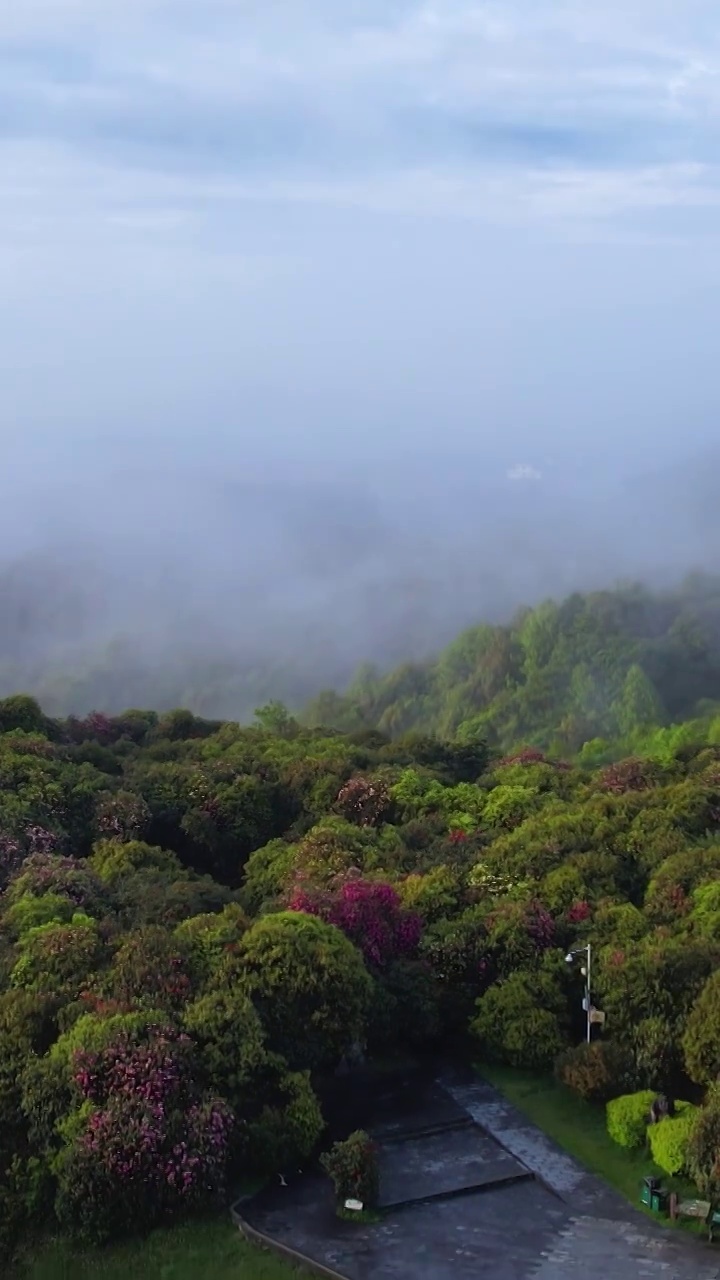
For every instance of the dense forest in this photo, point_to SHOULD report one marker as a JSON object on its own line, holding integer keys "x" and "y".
{"x": 201, "y": 922}
{"x": 601, "y": 665}
{"x": 604, "y": 666}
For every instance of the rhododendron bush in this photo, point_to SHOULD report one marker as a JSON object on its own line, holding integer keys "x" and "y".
{"x": 201, "y": 924}
{"x": 368, "y": 912}
{"x": 145, "y": 1142}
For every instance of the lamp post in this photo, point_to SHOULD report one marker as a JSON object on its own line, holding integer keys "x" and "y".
{"x": 586, "y": 971}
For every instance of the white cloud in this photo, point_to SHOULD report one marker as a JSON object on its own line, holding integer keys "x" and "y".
{"x": 526, "y": 111}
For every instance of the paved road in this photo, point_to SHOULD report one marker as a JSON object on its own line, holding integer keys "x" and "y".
{"x": 562, "y": 1225}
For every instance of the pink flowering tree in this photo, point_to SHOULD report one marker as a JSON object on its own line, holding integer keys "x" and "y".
{"x": 364, "y": 801}
{"x": 145, "y": 1143}
{"x": 369, "y": 912}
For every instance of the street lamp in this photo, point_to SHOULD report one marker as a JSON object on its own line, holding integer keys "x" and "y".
{"x": 585, "y": 970}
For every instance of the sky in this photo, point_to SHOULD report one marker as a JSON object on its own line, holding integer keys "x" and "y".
{"x": 314, "y": 309}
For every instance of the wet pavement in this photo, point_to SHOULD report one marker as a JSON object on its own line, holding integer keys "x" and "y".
{"x": 540, "y": 1217}
{"x": 443, "y": 1164}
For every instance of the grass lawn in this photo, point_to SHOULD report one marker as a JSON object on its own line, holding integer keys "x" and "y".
{"x": 579, "y": 1127}
{"x": 212, "y": 1250}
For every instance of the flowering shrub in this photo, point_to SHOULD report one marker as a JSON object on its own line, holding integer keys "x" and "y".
{"x": 368, "y": 912}
{"x": 579, "y": 912}
{"x": 627, "y": 775}
{"x": 540, "y": 926}
{"x": 145, "y": 1142}
{"x": 363, "y": 801}
{"x": 353, "y": 1167}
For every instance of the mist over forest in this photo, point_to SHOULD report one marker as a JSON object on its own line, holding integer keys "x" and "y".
{"x": 323, "y": 338}
{"x": 186, "y": 581}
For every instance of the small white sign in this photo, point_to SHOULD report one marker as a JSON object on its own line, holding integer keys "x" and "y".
{"x": 356, "y": 1206}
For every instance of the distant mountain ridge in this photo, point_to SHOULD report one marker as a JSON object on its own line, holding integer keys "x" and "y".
{"x": 608, "y": 664}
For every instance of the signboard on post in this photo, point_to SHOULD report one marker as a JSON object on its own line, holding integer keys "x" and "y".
{"x": 597, "y": 1017}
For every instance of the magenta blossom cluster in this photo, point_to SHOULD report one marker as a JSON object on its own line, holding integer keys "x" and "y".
{"x": 150, "y": 1128}
{"x": 172, "y": 1154}
{"x": 369, "y": 912}
{"x": 579, "y": 912}
{"x": 153, "y": 1072}
{"x": 540, "y": 926}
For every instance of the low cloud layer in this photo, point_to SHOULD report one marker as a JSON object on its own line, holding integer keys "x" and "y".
{"x": 343, "y": 325}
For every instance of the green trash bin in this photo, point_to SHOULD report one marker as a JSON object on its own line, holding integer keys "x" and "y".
{"x": 659, "y": 1201}
{"x": 650, "y": 1188}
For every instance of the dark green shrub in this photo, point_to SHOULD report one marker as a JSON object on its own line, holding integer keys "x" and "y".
{"x": 703, "y": 1149}
{"x": 25, "y": 1194}
{"x": 628, "y": 1118}
{"x": 518, "y": 1021}
{"x": 596, "y": 1072}
{"x": 353, "y": 1167}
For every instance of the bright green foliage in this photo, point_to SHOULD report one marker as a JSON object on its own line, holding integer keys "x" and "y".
{"x": 94, "y": 1031}
{"x": 628, "y": 1118}
{"x": 638, "y": 705}
{"x": 309, "y": 985}
{"x": 670, "y": 1138}
{"x": 434, "y": 895}
{"x": 30, "y": 911}
{"x": 114, "y": 859}
{"x": 591, "y": 670}
{"x": 286, "y": 1128}
{"x": 21, "y": 712}
{"x": 519, "y": 1021}
{"x": 212, "y": 938}
{"x": 504, "y": 863}
{"x": 59, "y": 957}
{"x": 226, "y": 1026}
{"x": 701, "y": 1041}
{"x": 281, "y": 1117}
{"x": 151, "y": 968}
{"x": 507, "y": 806}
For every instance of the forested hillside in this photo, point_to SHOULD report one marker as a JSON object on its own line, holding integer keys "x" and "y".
{"x": 609, "y": 665}
{"x": 199, "y": 921}
{"x": 602, "y": 665}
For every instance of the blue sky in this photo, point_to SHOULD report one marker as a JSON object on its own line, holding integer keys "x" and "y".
{"x": 165, "y": 162}
{"x": 414, "y": 244}
{"x": 152, "y": 111}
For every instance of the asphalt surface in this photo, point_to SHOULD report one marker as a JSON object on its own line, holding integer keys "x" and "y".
{"x": 477, "y": 1193}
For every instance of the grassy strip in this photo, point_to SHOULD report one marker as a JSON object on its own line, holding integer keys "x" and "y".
{"x": 213, "y": 1249}
{"x": 579, "y": 1127}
